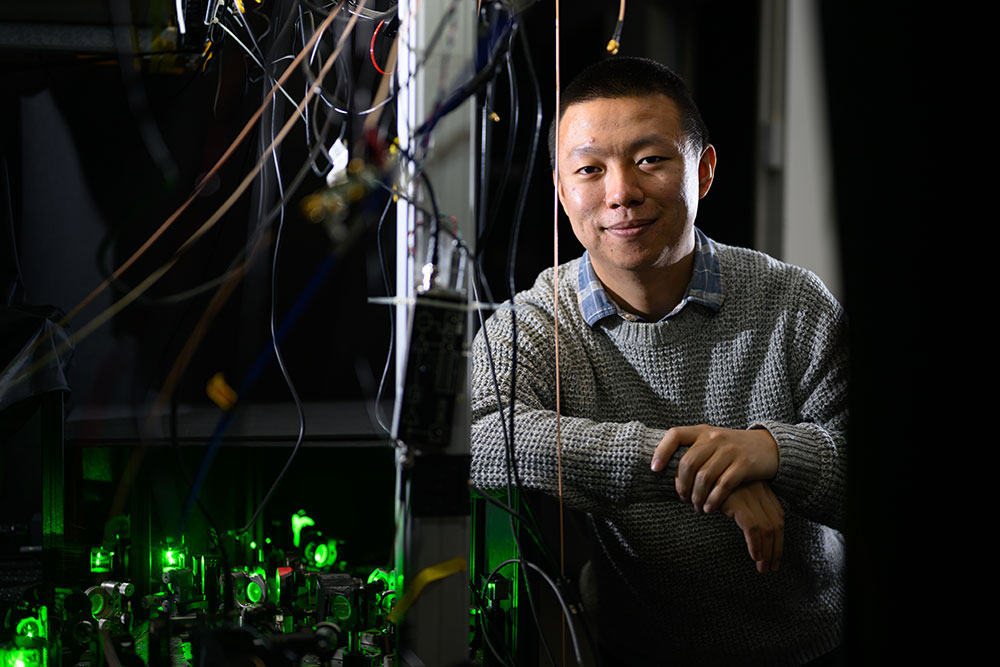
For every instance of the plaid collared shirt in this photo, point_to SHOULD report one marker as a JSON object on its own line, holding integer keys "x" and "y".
{"x": 705, "y": 286}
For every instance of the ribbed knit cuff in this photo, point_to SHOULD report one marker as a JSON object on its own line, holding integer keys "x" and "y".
{"x": 649, "y": 486}
{"x": 805, "y": 462}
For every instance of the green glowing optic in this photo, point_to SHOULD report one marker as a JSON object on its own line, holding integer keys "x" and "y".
{"x": 322, "y": 553}
{"x": 391, "y": 580}
{"x": 100, "y": 560}
{"x": 341, "y": 608}
{"x": 29, "y": 627}
{"x": 378, "y": 575}
{"x": 299, "y": 521}
{"x": 21, "y": 657}
{"x": 173, "y": 559}
{"x": 267, "y": 540}
{"x": 96, "y": 603}
{"x": 253, "y": 545}
{"x": 254, "y": 593}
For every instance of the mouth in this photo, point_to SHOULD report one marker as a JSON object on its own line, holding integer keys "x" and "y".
{"x": 628, "y": 228}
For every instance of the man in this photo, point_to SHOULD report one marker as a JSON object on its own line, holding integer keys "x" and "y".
{"x": 692, "y": 374}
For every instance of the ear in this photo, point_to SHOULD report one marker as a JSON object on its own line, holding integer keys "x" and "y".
{"x": 706, "y": 170}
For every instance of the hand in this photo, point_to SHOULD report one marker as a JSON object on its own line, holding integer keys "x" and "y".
{"x": 717, "y": 461}
{"x": 761, "y": 517}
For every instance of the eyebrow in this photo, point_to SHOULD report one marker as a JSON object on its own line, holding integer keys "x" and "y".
{"x": 636, "y": 144}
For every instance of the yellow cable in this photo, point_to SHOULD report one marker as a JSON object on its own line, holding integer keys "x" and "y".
{"x": 426, "y": 576}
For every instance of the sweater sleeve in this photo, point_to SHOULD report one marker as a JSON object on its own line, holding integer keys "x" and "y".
{"x": 602, "y": 463}
{"x": 812, "y": 463}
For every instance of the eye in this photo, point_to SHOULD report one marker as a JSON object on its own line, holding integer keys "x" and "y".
{"x": 589, "y": 169}
{"x": 651, "y": 159}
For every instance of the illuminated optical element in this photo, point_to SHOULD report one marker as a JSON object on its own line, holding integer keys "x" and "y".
{"x": 21, "y": 657}
{"x": 100, "y": 560}
{"x": 254, "y": 592}
{"x": 250, "y": 588}
{"x": 300, "y": 520}
{"x": 391, "y": 584}
{"x": 341, "y": 608}
{"x": 101, "y": 603}
{"x": 321, "y": 553}
{"x": 173, "y": 558}
{"x": 29, "y": 627}
{"x": 391, "y": 580}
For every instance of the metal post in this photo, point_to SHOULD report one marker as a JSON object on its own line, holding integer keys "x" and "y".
{"x": 436, "y": 43}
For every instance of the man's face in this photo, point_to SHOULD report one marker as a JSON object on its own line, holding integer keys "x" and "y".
{"x": 629, "y": 183}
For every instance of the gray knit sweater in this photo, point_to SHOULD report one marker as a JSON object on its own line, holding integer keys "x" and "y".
{"x": 774, "y": 356}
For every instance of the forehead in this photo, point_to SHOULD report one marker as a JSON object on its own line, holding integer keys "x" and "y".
{"x": 624, "y": 119}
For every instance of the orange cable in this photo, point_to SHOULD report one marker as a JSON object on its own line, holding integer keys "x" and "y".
{"x": 100, "y": 319}
{"x": 137, "y": 454}
{"x": 136, "y": 292}
{"x": 212, "y": 172}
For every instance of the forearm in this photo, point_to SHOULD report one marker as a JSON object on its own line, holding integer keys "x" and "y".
{"x": 812, "y": 470}
{"x": 602, "y": 463}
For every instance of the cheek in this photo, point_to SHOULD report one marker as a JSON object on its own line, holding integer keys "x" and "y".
{"x": 582, "y": 199}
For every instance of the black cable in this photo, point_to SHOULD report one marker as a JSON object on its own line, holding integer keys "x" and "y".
{"x": 467, "y": 89}
{"x": 555, "y": 589}
{"x": 493, "y": 501}
{"x": 512, "y": 249}
{"x": 481, "y": 605}
{"x": 273, "y": 213}
{"x": 508, "y": 158}
{"x": 298, "y": 405}
{"x": 512, "y": 261}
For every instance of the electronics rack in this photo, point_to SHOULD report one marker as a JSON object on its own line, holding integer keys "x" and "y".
{"x": 162, "y": 578}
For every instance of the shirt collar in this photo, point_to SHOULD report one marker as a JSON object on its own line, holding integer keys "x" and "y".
{"x": 706, "y": 286}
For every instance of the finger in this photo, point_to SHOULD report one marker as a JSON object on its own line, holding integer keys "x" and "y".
{"x": 725, "y": 484}
{"x": 751, "y": 534}
{"x": 689, "y": 465}
{"x": 777, "y": 517}
{"x": 743, "y": 514}
{"x": 669, "y": 443}
{"x": 774, "y": 531}
{"x": 779, "y": 545}
{"x": 765, "y": 519}
{"x": 706, "y": 478}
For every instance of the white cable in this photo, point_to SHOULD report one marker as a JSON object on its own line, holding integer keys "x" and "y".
{"x": 180, "y": 17}
{"x": 250, "y": 53}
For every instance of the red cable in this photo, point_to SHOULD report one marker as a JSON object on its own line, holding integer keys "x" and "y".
{"x": 371, "y": 49}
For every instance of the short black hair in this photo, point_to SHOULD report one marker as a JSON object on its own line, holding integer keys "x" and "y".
{"x": 631, "y": 76}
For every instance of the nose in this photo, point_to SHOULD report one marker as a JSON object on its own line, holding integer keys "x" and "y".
{"x": 622, "y": 187}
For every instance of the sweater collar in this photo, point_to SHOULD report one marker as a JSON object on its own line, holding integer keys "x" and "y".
{"x": 706, "y": 286}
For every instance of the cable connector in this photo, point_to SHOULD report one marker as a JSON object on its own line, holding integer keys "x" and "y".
{"x": 339, "y": 158}
{"x": 616, "y": 38}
